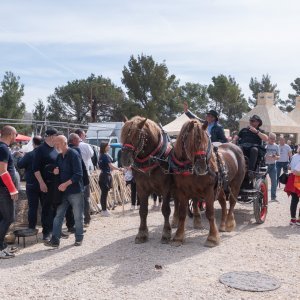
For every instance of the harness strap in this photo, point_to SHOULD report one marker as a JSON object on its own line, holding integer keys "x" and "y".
{"x": 142, "y": 160}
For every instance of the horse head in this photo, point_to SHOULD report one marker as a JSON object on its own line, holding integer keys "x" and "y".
{"x": 193, "y": 144}
{"x": 138, "y": 135}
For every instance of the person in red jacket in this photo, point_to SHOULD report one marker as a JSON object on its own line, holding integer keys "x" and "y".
{"x": 292, "y": 188}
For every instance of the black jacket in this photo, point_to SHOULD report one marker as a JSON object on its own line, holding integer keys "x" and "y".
{"x": 217, "y": 132}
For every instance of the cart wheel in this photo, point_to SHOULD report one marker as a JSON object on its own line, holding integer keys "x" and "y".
{"x": 260, "y": 201}
{"x": 190, "y": 208}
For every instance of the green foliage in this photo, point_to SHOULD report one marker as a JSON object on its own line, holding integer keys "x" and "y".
{"x": 289, "y": 104}
{"x": 93, "y": 99}
{"x": 11, "y": 93}
{"x": 227, "y": 100}
{"x": 152, "y": 92}
{"x": 40, "y": 111}
{"x": 196, "y": 96}
{"x": 264, "y": 85}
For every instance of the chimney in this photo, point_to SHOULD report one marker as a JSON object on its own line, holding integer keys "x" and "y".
{"x": 265, "y": 99}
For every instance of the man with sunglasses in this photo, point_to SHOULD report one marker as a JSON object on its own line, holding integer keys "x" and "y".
{"x": 250, "y": 139}
{"x": 8, "y": 190}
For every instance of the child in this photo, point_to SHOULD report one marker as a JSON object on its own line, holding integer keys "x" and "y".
{"x": 293, "y": 187}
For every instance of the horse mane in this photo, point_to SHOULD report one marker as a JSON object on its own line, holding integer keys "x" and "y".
{"x": 192, "y": 138}
{"x": 131, "y": 129}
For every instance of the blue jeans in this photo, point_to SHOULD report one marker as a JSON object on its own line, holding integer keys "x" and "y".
{"x": 273, "y": 176}
{"x": 76, "y": 201}
{"x": 7, "y": 214}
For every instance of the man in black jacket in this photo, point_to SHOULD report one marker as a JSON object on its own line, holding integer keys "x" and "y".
{"x": 214, "y": 129}
{"x": 33, "y": 192}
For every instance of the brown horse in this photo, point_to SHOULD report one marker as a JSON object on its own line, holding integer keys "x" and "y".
{"x": 193, "y": 146}
{"x": 143, "y": 141}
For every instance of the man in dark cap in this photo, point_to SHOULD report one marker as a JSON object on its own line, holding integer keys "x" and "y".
{"x": 43, "y": 166}
{"x": 214, "y": 129}
{"x": 250, "y": 139}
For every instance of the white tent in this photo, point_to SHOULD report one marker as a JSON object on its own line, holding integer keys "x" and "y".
{"x": 274, "y": 120}
{"x": 174, "y": 127}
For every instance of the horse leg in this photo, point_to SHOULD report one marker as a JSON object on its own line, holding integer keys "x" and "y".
{"x": 230, "y": 221}
{"x": 213, "y": 238}
{"x": 182, "y": 211}
{"x": 196, "y": 215}
{"x": 222, "y": 201}
{"x": 166, "y": 211}
{"x": 142, "y": 235}
{"x": 174, "y": 223}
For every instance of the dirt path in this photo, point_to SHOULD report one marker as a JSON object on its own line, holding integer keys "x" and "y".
{"x": 109, "y": 265}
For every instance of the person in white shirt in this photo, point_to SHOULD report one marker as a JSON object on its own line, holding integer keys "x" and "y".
{"x": 86, "y": 154}
{"x": 285, "y": 153}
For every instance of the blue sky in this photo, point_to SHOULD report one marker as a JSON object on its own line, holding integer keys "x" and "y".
{"x": 48, "y": 43}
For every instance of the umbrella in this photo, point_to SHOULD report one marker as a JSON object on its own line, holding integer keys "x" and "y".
{"x": 23, "y": 138}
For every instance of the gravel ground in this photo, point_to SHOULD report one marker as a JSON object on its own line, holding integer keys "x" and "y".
{"x": 109, "y": 265}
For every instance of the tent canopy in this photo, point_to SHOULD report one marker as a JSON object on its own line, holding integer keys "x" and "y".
{"x": 174, "y": 127}
{"x": 274, "y": 120}
{"x": 23, "y": 138}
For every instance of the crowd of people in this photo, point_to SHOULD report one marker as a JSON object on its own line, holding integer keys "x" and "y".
{"x": 57, "y": 174}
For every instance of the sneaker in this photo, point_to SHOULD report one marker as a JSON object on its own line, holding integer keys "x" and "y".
{"x": 78, "y": 243}
{"x": 274, "y": 200}
{"x": 132, "y": 207}
{"x": 11, "y": 249}
{"x": 105, "y": 213}
{"x": 5, "y": 254}
{"x": 71, "y": 229}
{"x": 64, "y": 235}
{"x": 52, "y": 244}
{"x": 293, "y": 222}
{"x": 298, "y": 222}
{"x": 46, "y": 237}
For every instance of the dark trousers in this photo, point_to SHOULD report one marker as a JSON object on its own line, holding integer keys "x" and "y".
{"x": 281, "y": 165}
{"x": 7, "y": 213}
{"x": 294, "y": 204}
{"x": 104, "y": 194}
{"x": 48, "y": 213}
{"x": 34, "y": 196}
{"x": 252, "y": 154}
{"x": 134, "y": 198}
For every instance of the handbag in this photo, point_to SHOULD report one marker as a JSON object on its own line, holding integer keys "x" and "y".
{"x": 283, "y": 178}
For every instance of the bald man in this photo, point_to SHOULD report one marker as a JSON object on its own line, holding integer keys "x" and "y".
{"x": 70, "y": 172}
{"x": 8, "y": 190}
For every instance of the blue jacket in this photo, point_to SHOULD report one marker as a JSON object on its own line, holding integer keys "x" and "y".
{"x": 70, "y": 168}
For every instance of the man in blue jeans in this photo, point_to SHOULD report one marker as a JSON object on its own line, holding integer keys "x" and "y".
{"x": 8, "y": 190}
{"x": 70, "y": 172}
{"x": 272, "y": 154}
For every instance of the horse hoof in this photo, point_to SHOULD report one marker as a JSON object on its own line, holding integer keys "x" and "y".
{"x": 140, "y": 239}
{"x": 222, "y": 228}
{"x": 230, "y": 227}
{"x": 177, "y": 243}
{"x": 211, "y": 243}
